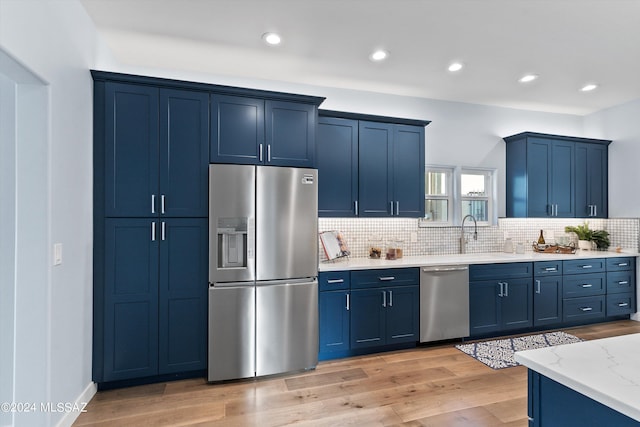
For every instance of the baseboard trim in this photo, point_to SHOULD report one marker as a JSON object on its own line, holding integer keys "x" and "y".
{"x": 70, "y": 417}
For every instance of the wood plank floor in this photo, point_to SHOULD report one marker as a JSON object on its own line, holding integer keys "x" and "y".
{"x": 434, "y": 386}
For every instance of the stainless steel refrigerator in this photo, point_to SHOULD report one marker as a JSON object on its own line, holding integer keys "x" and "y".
{"x": 263, "y": 267}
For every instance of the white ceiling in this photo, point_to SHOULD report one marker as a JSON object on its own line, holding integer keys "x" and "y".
{"x": 568, "y": 43}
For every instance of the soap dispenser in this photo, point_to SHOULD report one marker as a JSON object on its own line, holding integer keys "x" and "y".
{"x": 508, "y": 245}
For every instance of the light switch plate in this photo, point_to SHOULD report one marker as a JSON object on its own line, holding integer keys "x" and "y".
{"x": 57, "y": 253}
{"x": 414, "y": 237}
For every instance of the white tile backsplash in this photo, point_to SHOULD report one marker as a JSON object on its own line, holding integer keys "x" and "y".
{"x": 624, "y": 233}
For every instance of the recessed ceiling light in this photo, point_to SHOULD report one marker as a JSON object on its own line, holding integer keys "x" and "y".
{"x": 379, "y": 55}
{"x": 528, "y": 78}
{"x": 589, "y": 87}
{"x": 456, "y": 66}
{"x": 271, "y": 38}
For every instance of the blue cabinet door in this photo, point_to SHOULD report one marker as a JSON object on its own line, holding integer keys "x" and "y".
{"x": 402, "y": 314}
{"x": 184, "y": 153}
{"x": 334, "y": 320}
{"x": 562, "y": 190}
{"x": 591, "y": 172}
{"x": 131, "y": 150}
{"x": 337, "y": 161}
{"x": 183, "y": 285}
{"x": 375, "y": 183}
{"x": 516, "y": 304}
{"x": 237, "y": 130}
{"x": 538, "y": 178}
{"x": 547, "y": 300}
{"x": 408, "y": 171}
{"x": 290, "y": 134}
{"x": 484, "y": 307}
{"x": 367, "y": 318}
{"x": 130, "y": 299}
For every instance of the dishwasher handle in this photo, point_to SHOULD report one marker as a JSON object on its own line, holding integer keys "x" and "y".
{"x": 444, "y": 268}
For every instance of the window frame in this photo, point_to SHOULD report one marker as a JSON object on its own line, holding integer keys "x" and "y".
{"x": 490, "y": 191}
{"x": 449, "y": 172}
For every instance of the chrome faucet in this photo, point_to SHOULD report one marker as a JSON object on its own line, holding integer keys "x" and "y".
{"x": 463, "y": 240}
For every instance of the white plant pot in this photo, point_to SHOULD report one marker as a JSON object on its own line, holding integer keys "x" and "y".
{"x": 585, "y": 245}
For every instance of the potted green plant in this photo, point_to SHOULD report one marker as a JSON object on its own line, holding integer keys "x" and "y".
{"x": 586, "y": 236}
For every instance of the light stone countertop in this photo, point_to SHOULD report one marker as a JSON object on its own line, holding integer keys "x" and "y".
{"x": 606, "y": 370}
{"x": 459, "y": 259}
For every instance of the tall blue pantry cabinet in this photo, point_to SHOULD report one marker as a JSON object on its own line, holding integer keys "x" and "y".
{"x": 150, "y": 229}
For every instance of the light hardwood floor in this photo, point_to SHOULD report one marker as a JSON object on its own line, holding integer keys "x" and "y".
{"x": 427, "y": 386}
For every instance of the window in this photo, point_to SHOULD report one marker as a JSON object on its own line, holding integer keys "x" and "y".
{"x": 451, "y": 193}
{"x": 438, "y": 197}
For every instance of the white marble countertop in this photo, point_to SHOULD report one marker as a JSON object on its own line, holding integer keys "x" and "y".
{"x": 606, "y": 370}
{"x": 458, "y": 259}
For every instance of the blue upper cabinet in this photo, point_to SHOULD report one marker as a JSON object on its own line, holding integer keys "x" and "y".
{"x": 184, "y": 153}
{"x": 376, "y": 169}
{"x": 337, "y": 160}
{"x": 591, "y": 180}
{"x": 408, "y": 170}
{"x": 556, "y": 176}
{"x": 252, "y": 130}
{"x": 155, "y": 152}
{"x": 131, "y": 150}
{"x": 290, "y": 134}
{"x": 237, "y": 129}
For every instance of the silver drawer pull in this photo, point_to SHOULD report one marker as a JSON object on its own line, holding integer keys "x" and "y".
{"x": 623, "y": 282}
{"x": 348, "y": 303}
{"x": 386, "y": 279}
{"x": 623, "y": 264}
{"x": 587, "y": 266}
{"x": 586, "y": 285}
{"x": 550, "y": 269}
{"x": 623, "y": 304}
{"x": 333, "y": 281}
{"x": 586, "y": 308}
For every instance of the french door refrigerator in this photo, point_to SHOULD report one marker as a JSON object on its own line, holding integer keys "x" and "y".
{"x": 263, "y": 267}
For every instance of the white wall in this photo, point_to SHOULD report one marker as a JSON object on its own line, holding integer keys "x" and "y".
{"x": 57, "y": 42}
{"x": 621, "y": 124}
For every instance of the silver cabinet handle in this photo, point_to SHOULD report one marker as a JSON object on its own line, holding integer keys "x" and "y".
{"x": 269, "y": 153}
{"x": 623, "y": 304}
{"x": 397, "y": 207}
{"x": 348, "y": 303}
{"x": 332, "y": 281}
{"x": 153, "y": 203}
{"x": 586, "y": 308}
{"x": 501, "y": 294}
{"x": 550, "y": 269}
{"x": 391, "y": 207}
{"x": 355, "y": 204}
{"x": 384, "y": 299}
{"x": 386, "y": 278}
{"x": 537, "y": 286}
{"x": 163, "y": 231}
{"x": 390, "y": 298}
{"x": 587, "y": 266}
{"x": 622, "y": 264}
{"x": 260, "y": 152}
{"x": 153, "y": 231}
{"x": 595, "y": 210}
{"x": 623, "y": 282}
{"x": 506, "y": 289}
{"x": 586, "y": 285}
{"x": 162, "y": 204}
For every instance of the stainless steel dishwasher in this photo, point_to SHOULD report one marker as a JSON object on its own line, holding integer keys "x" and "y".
{"x": 444, "y": 302}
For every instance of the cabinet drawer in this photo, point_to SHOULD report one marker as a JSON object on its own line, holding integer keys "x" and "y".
{"x": 583, "y": 308}
{"x": 582, "y": 285}
{"x": 500, "y": 271}
{"x": 578, "y": 266}
{"x": 547, "y": 268}
{"x": 620, "y": 281}
{"x": 385, "y": 277}
{"x": 620, "y": 304}
{"x": 618, "y": 264}
{"x": 333, "y": 280}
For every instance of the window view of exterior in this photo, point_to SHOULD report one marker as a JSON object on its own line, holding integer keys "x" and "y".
{"x": 438, "y": 189}
{"x": 475, "y": 192}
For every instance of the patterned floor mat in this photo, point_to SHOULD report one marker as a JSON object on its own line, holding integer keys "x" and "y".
{"x": 498, "y": 354}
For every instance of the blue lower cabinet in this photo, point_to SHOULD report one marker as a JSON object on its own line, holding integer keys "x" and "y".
{"x": 484, "y": 307}
{"x": 403, "y": 315}
{"x": 547, "y": 300}
{"x": 504, "y": 305}
{"x": 553, "y": 404}
{"x": 154, "y": 298}
{"x": 334, "y": 321}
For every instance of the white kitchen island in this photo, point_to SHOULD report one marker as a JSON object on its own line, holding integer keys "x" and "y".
{"x": 591, "y": 383}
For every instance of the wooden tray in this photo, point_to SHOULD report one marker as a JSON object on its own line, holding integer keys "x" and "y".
{"x": 554, "y": 249}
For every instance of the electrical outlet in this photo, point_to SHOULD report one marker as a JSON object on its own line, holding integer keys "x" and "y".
{"x": 57, "y": 253}
{"x": 414, "y": 237}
